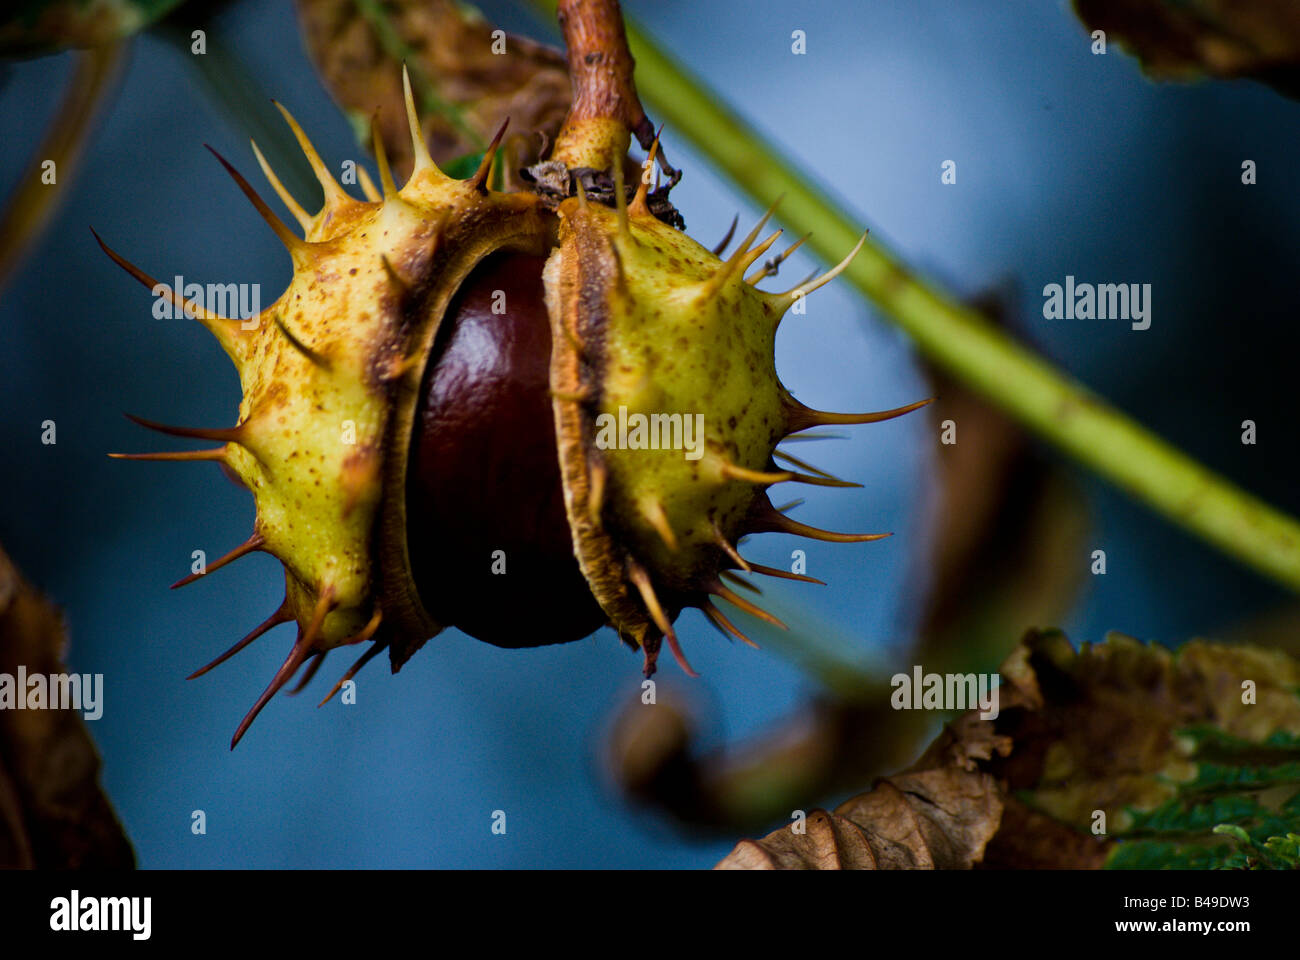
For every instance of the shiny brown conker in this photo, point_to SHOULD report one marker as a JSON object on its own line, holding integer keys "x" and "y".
{"x": 490, "y": 547}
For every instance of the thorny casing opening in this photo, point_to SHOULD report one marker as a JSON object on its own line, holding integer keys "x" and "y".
{"x": 514, "y": 520}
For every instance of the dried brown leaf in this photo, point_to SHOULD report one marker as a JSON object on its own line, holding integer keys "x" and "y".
{"x": 938, "y": 815}
{"x": 53, "y": 813}
{"x": 1216, "y": 38}
{"x": 1165, "y": 744}
{"x": 463, "y": 89}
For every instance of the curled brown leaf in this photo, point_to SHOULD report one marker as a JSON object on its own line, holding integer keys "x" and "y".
{"x": 53, "y": 813}
{"x": 1120, "y": 754}
{"x": 938, "y": 815}
{"x": 466, "y": 77}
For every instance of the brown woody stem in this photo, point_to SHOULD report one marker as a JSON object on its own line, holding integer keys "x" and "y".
{"x": 606, "y": 110}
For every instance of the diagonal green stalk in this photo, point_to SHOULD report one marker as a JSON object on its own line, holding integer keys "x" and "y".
{"x": 960, "y": 340}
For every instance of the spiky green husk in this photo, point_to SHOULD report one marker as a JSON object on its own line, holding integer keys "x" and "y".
{"x": 644, "y": 321}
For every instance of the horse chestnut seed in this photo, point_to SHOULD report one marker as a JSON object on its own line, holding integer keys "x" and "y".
{"x": 524, "y": 414}
{"x": 488, "y": 539}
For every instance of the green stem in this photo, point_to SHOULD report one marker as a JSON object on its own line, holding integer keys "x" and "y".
{"x": 960, "y": 340}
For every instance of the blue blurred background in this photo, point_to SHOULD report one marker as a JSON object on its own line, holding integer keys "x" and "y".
{"x": 1067, "y": 163}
